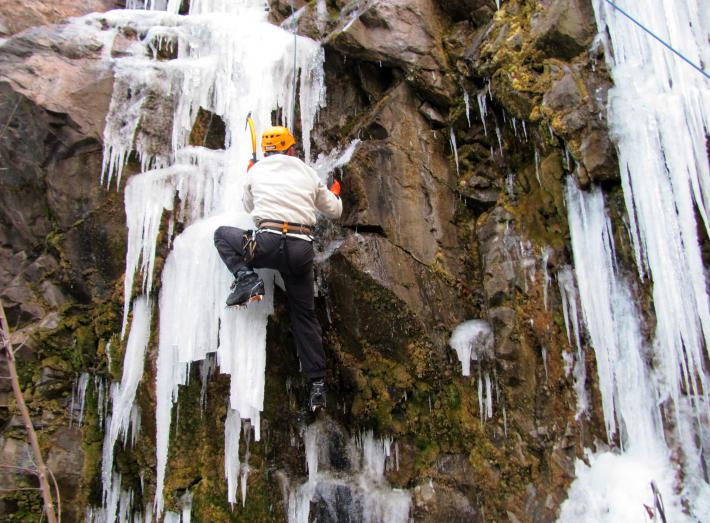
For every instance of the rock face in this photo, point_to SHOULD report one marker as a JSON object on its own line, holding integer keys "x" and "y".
{"x": 62, "y": 238}
{"x": 18, "y": 15}
{"x": 470, "y": 119}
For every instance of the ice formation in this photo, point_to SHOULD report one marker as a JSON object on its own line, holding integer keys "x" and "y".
{"x": 472, "y": 340}
{"x": 230, "y": 61}
{"x": 575, "y": 363}
{"x": 454, "y": 149}
{"x": 629, "y": 392}
{"x": 78, "y": 394}
{"x": 659, "y": 112}
{"x": 123, "y": 395}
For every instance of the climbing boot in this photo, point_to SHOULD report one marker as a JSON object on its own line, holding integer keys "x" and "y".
{"x": 247, "y": 286}
{"x": 317, "y": 398}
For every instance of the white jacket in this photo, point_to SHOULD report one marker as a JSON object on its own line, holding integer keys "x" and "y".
{"x": 284, "y": 188}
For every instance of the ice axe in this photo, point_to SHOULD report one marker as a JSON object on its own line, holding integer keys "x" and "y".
{"x": 250, "y": 124}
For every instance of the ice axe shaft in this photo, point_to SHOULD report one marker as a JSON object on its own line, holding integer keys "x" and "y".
{"x": 250, "y": 123}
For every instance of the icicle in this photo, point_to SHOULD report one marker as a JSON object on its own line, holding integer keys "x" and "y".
{"x": 537, "y": 167}
{"x": 546, "y": 251}
{"x": 489, "y": 396}
{"x": 500, "y": 141}
{"x": 186, "y": 502}
{"x": 80, "y": 395}
{"x": 452, "y": 140}
{"x": 544, "y": 361}
{"x": 232, "y": 428}
{"x": 568, "y": 294}
{"x": 108, "y": 356}
{"x": 481, "y": 99}
{"x": 480, "y": 396}
{"x": 135, "y": 425}
{"x": 207, "y": 367}
{"x": 310, "y": 440}
{"x": 509, "y": 182}
{"x": 123, "y": 394}
{"x": 467, "y": 103}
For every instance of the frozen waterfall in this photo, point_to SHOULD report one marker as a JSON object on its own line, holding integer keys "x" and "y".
{"x": 654, "y": 394}
{"x": 228, "y": 60}
{"x": 361, "y": 495}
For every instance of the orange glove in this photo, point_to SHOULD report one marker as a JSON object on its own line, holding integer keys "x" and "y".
{"x": 335, "y": 188}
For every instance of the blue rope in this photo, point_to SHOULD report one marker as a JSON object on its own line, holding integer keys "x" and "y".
{"x": 627, "y": 15}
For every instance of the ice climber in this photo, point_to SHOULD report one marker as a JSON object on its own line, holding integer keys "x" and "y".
{"x": 282, "y": 194}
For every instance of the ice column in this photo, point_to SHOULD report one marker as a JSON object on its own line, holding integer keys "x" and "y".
{"x": 629, "y": 400}
{"x": 659, "y": 111}
{"x": 123, "y": 394}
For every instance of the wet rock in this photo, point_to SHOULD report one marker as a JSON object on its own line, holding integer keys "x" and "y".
{"x": 479, "y": 11}
{"x": 14, "y": 453}
{"x": 388, "y": 296}
{"x": 56, "y": 95}
{"x": 458, "y": 468}
{"x": 333, "y": 452}
{"x": 397, "y": 32}
{"x": 563, "y": 95}
{"x": 598, "y": 156}
{"x": 66, "y": 461}
{"x": 334, "y": 502}
{"x": 502, "y": 320}
{"x": 403, "y": 185}
{"x": 405, "y": 34}
{"x": 434, "y": 502}
{"x": 60, "y": 71}
{"x": 432, "y": 114}
{"x": 23, "y": 211}
{"x": 563, "y": 28}
{"x": 498, "y": 263}
{"x": 53, "y": 383}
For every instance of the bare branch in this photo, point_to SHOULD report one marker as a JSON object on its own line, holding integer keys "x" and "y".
{"x": 24, "y": 469}
{"x": 17, "y": 104}
{"x": 57, "y": 496}
{"x": 20, "y": 346}
{"x": 22, "y": 407}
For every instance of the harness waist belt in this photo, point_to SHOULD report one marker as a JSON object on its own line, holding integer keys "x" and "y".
{"x": 286, "y": 227}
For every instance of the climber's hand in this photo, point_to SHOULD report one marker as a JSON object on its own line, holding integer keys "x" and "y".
{"x": 335, "y": 187}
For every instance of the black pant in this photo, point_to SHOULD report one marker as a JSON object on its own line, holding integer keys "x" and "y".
{"x": 293, "y": 258}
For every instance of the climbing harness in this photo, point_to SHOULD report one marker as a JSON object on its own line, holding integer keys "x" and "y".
{"x": 286, "y": 227}
{"x": 688, "y": 61}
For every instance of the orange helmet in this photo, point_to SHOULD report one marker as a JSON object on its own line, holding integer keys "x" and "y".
{"x": 277, "y": 139}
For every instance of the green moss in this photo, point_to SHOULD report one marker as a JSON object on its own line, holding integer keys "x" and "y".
{"x": 22, "y": 505}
